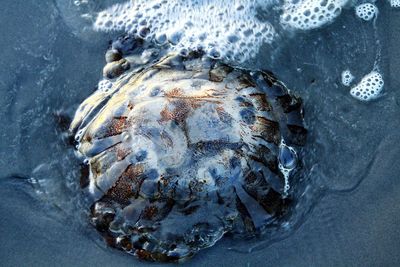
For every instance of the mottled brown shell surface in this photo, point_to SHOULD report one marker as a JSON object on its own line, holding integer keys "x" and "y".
{"x": 184, "y": 151}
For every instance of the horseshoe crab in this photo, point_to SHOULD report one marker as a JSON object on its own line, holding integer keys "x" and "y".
{"x": 184, "y": 149}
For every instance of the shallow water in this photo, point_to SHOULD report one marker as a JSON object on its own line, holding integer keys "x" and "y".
{"x": 50, "y": 64}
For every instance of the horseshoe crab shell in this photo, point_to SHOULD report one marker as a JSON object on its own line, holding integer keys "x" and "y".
{"x": 184, "y": 151}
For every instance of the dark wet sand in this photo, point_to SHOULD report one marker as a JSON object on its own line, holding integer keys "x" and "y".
{"x": 358, "y": 228}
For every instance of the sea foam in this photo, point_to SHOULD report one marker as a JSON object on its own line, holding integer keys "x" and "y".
{"x": 220, "y": 28}
{"x": 369, "y": 87}
{"x": 395, "y": 3}
{"x": 232, "y": 30}
{"x": 307, "y": 15}
{"x": 366, "y": 11}
{"x": 347, "y": 77}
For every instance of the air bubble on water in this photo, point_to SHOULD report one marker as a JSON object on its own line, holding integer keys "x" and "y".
{"x": 347, "y": 77}
{"x": 80, "y": 2}
{"x": 174, "y": 37}
{"x": 367, "y": 90}
{"x": 143, "y": 32}
{"x": 395, "y": 3}
{"x": 310, "y": 14}
{"x": 193, "y": 24}
{"x": 161, "y": 39}
{"x": 214, "y": 53}
{"x": 287, "y": 163}
{"x": 366, "y": 11}
{"x": 183, "y": 52}
{"x": 104, "y": 85}
{"x": 32, "y": 181}
{"x": 78, "y": 135}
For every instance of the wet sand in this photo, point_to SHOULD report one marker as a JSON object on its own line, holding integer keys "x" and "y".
{"x": 356, "y": 228}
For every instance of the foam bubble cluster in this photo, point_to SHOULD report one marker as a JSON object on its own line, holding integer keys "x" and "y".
{"x": 347, "y": 77}
{"x": 366, "y": 11}
{"x": 223, "y": 29}
{"x": 104, "y": 85}
{"x": 395, "y": 3}
{"x": 306, "y": 14}
{"x": 369, "y": 87}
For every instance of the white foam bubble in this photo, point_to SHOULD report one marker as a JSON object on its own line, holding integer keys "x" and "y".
{"x": 395, "y": 3}
{"x": 369, "y": 87}
{"x": 104, "y": 85}
{"x": 347, "y": 77}
{"x": 310, "y": 14}
{"x": 227, "y": 29}
{"x": 366, "y": 11}
{"x": 232, "y": 30}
